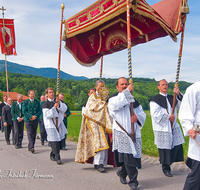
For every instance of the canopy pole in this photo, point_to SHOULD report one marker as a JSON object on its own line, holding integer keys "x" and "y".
{"x": 100, "y": 77}
{"x": 130, "y": 65}
{"x": 178, "y": 67}
{"x": 184, "y": 11}
{"x": 129, "y": 43}
{"x": 59, "y": 55}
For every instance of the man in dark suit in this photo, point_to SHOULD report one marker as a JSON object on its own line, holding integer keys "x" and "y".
{"x": 18, "y": 121}
{"x": 31, "y": 111}
{"x": 43, "y": 134}
{"x": 1, "y": 106}
{"x": 7, "y": 121}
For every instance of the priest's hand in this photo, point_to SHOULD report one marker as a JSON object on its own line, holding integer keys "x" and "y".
{"x": 192, "y": 133}
{"x": 172, "y": 118}
{"x": 130, "y": 87}
{"x": 57, "y": 102}
{"x": 176, "y": 90}
{"x": 134, "y": 119}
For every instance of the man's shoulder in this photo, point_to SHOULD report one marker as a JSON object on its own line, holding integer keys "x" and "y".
{"x": 14, "y": 104}
{"x": 25, "y": 101}
{"x": 2, "y": 104}
{"x": 5, "y": 107}
{"x": 154, "y": 98}
{"x": 37, "y": 101}
{"x": 113, "y": 95}
{"x": 47, "y": 105}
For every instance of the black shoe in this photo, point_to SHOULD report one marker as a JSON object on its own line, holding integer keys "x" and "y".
{"x": 122, "y": 180}
{"x": 52, "y": 158}
{"x": 134, "y": 188}
{"x": 42, "y": 142}
{"x": 168, "y": 174}
{"x": 64, "y": 148}
{"x": 95, "y": 166}
{"x": 59, "y": 162}
{"x": 32, "y": 150}
{"x": 100, "y": 168}
{"x": 17, "y": 147}
{"x": 8, "y": 143}
{"x": 20, "y": 146}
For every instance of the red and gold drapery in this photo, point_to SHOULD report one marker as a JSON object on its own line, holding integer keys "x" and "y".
{"x": 101, "y": 28}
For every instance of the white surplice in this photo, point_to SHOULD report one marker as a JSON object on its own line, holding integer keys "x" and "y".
{"x": 119, "y": 109}
{"x": 165, "y": 138}
{"x": 189, "y": 115}
{"x": 48, "y": 115}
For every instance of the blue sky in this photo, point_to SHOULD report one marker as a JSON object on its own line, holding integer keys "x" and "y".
{"x": 37, "y": 30}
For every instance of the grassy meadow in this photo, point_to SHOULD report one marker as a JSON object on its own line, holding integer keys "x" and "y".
{"x": 148, "y": 146}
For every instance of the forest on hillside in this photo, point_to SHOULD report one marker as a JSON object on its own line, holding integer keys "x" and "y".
{"x": 75, "y": 92}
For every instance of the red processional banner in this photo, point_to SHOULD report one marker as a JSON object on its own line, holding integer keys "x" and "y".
{"x": 101, "y": 28}
{"x": 7, "y": 36}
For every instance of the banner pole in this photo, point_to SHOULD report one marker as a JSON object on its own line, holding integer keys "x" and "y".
{"x": 59, "y": 55}
{"x": 5, "y": 53}
{"x": 6, "y": 76}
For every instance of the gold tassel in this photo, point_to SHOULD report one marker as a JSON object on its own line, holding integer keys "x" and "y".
{"x": 184, "y": 7}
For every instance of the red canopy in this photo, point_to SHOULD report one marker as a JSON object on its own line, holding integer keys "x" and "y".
{"x": 101, "y": 28}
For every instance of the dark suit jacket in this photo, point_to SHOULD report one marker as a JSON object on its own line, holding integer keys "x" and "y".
{"x": 6, "y": 115}
{"x": 16, "y": 111}
{"x": 31, "y": 108}
{"x": 1, "y": 106}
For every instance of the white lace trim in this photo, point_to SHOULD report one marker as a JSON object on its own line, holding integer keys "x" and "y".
{"x": 164, "y": 120}
{"x": 166, "y": 140}
{"x": 123, "y": 144}
{"x": 128, "y": 95}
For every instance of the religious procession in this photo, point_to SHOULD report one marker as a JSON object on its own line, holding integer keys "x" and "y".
{"x": 110, "y": 131}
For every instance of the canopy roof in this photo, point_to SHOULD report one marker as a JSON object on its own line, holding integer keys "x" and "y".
{"x": 101, "y": 29}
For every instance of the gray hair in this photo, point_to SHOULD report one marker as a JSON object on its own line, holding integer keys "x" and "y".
{"x": 19, "y": 95}
{"x": 99, "y": 81}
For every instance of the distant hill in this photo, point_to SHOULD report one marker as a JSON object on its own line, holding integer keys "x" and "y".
{"x": 45, "y": 72}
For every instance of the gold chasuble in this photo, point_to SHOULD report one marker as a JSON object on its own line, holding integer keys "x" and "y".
{"x": 96, "y": 122}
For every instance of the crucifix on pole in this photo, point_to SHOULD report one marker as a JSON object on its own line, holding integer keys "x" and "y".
{"x": 2, "y": 9}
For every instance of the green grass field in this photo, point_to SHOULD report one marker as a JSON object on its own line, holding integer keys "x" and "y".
{"x": 148, "y": 146}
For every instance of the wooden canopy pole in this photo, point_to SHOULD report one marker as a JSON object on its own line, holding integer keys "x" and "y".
{"x": 58, "y": 74}
{"x": 178, "y": 66}
{"x": 130, "y": 65}
{"x": 100, "y": 77}
{"x": 184, "y": 10}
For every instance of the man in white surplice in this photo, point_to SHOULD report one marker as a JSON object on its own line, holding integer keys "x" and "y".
{"x": 189, "y": 115}
{"x": 126, "y": 153}
{"x": 168, "y": 138}
{"x": 53, "y": 115}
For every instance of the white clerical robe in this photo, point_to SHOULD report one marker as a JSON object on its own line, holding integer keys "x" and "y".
{"x": 189, "y": 115}
{"x": 49, "y": 117}
{"x": 165, "y": 138}
{"x": 119, "y": 109}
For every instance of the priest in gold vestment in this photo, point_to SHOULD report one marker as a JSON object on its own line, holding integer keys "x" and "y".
{"x": 95, "y": 127}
